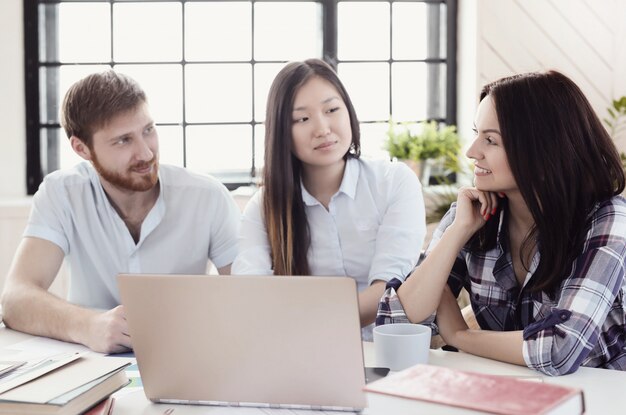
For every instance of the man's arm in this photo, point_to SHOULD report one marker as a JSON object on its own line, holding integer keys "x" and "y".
{"x": 29, "y": 307}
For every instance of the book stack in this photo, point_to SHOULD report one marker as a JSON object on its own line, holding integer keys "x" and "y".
{"x": 433, "y": 390}
{"x": 73, "y": 385}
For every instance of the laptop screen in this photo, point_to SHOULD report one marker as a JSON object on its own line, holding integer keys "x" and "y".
{"x": 251, "y": 340}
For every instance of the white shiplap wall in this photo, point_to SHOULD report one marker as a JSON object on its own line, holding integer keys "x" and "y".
{"x": 585, "y": 39}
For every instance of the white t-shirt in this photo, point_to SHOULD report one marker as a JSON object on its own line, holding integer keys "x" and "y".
{"x": 373, "y": 229}
{"x": 193, "y": 219}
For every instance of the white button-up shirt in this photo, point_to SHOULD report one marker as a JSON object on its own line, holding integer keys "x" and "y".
{"x": 373, "y": 229}
{"x": 193, "y": 219}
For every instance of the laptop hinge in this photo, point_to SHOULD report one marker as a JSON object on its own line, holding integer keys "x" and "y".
{"x": 259, "y": 405}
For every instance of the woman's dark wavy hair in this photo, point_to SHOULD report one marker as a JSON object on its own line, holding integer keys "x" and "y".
{"x": 564, "y": 163}
{"x": 283, "y": 208}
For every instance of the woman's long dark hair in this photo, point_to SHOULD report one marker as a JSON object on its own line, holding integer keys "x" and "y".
{"x": 283, "y": 208}
{"x": 564, "y": 163}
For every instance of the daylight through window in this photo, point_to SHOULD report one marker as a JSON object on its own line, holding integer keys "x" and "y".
{"x": 206, "y": 67}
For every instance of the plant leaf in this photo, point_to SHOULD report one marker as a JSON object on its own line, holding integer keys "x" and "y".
{"x": 611, "y": 112}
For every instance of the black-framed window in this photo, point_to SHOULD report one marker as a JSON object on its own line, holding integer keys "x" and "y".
{"x": 206, "y": 66}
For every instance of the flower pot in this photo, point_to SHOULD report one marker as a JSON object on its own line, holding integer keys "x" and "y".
{"x": 421, "y": 168}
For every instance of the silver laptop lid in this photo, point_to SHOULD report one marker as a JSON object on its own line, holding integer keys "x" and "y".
{"x": 239, "y": 340}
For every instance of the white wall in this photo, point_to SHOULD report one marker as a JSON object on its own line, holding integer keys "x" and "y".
{"x": 12, "y": 113}
{"x": 585, "y": 39}
{"x": 13, "y": 213}
{"x": 467, "y": 72}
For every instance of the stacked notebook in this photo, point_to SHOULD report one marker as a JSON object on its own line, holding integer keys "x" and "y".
{"x": 65, "y": 386}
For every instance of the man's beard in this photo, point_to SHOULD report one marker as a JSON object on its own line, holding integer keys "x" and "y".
{"x": 126, "y": 181}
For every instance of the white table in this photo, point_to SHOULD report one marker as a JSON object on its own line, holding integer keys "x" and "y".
{"x": 605, "y": 390}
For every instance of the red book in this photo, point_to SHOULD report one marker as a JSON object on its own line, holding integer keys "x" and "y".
{"x": 433, "y": 390}
{"x": 103, "y": 408}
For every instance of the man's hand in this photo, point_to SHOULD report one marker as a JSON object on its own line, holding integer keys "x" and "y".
{"x": 107, "y": 332}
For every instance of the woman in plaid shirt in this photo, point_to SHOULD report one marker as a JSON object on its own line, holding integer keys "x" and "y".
{"x": 539, "y": 242}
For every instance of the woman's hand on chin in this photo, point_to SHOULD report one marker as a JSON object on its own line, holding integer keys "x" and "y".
{"x": 474, "y": 208}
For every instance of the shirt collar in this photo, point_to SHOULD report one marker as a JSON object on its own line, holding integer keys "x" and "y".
{"x": 348, "y": 183}
{"x": 153, "y": 218}
{"x": 350, "y": 177}
{"x": 503, "y": 271}
{"x": 307, "y": 198}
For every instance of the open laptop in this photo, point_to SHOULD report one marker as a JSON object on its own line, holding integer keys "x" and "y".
{"x": 292, "y": 342}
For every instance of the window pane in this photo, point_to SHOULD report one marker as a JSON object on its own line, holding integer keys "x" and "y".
{"x": 219, "y": 148}
{"x": 264, "y": 74}
{"x": 226, "y": 81}
{"x": 147, "y": 32}
{"x": 287, "y": 31}
{"x": 164, "y": 89}
{"x": 218, "y": 93}
{"x": 49, "y": 103}
{"x": 373, "y": 137}
{"x": 363, "y": 30}
{"x": 170, "y": 144}
{"x": 418, "y": 91}
{"x": 84, "y": 31}
{"x": 409, "y": 91}
{"x": 54, "y": 83}
{"x": 67, "y": 156}
{"x": 436, "y": 76}
{"x": 409, "y": 30}
{"x": 419, "y": 30}
{"x": 218, "y": 31}
{"x": 368, "y": 87}
{"x": 443, "y": 31}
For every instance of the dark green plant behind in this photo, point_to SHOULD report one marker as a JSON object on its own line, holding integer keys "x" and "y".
{"x": 616, "y": 121}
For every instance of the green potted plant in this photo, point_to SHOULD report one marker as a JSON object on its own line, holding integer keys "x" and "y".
{"x": 423, "y": 146}
{"x": 616, "y": 121}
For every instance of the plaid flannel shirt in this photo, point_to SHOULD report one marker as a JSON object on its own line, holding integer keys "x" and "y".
{"x": 584, "y": 324}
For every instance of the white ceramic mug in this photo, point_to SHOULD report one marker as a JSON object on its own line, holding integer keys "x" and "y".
{"x": 401, "y": 345}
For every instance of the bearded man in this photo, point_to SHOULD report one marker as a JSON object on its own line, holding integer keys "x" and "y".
{"x": 117, "y": 212}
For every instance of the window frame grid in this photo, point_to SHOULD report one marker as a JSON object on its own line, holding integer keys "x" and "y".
{"x": 39, "y": 163}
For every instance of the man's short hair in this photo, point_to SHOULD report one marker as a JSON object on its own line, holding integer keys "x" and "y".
{"x": 93, "y": 101}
